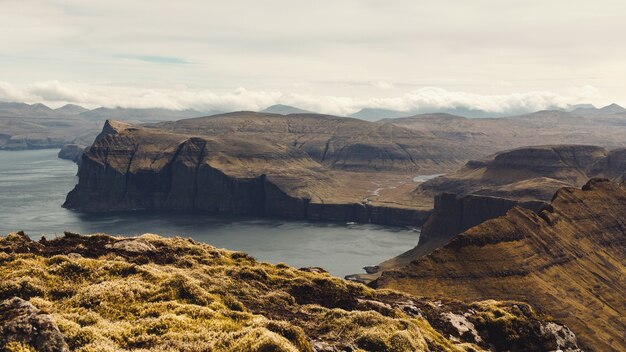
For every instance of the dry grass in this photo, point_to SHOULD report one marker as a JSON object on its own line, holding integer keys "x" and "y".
{"x": 157, "y": 294}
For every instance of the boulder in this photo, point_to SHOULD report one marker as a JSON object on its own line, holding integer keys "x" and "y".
{"x": 23, "y": 323}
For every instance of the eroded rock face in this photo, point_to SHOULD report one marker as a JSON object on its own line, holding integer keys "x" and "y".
{"x": 568, "y": 260}
{"x": 23, "y": 323}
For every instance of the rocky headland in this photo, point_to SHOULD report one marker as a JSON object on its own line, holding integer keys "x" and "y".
{"x": 568, "y": 259}
{"x": 298, "y": 166}
{"x": 103, "y": 293}
{"x": 73, "y": 152}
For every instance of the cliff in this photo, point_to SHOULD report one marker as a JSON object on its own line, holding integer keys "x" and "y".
{"x": 101, "y": 293}
{"x": 530, "y": 173}
{"x": 135, "y": 168}
{"x": 73, "y": 152}
{"x": 527, "y": 177}
{"x": 568, "y": 260}
{"x": 454, "y": 214}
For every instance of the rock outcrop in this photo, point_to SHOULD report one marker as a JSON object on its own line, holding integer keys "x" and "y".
{"x": 158, "y": 294}
{"x": 22, "y": 324}
{"x": 133, "y": 168}
{"x": 73, "y": 152}
{"x": 454, "y": 214}
{"x": 568, "y": 260}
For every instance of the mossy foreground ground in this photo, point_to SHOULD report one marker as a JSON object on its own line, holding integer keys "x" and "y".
{"x": 159, "y": 294}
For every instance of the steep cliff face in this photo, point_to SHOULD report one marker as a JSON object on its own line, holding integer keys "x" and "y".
{"x": 134, "y": 168}
{"x": 454, "y": 214}
{"x": 568, "y": 260}
{"x": 149, "y": 293}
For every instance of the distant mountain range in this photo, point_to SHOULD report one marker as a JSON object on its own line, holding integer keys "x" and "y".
{"x": 377, "y": 114}
{"x": 11, "y": 109}
{"x": 592, "y": 110}
{"x": 372, "y": 114}
{"x": 16, "y": 109}
{"x": 28, "y": 126}
{"x": 285, "y": 110}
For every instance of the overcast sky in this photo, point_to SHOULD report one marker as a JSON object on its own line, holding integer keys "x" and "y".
{"x": 333, "y": 56}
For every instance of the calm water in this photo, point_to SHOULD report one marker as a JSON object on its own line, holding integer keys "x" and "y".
{"x": 33, "y": 185}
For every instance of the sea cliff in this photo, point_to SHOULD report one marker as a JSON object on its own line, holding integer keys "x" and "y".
{"x": 134, "y": 168}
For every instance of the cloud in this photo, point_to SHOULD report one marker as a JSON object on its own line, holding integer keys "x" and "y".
{"x": 9, "y": 92}
{"x": 56, "y": 93}
{"x": 383, "y": 85}
{"x": 157, "y": 59}
{"x": 363, "y": 50}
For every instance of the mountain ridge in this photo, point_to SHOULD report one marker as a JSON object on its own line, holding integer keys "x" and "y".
{"x": 568, "y": 260}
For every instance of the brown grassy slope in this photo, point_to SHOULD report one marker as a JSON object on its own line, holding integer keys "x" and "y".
{"x": 490, "y": 135}
{"x": 157, "y": 294}
{"x": 568, "y": 261}
{"x": 339, "y": 143}
{"x": 529, "y": 173}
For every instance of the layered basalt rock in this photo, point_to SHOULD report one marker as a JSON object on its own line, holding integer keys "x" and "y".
{"x": 527, "y": 177}
{"x": 134, "y": 168}
{"x": 158, "y": 294}
{"x": 568, "y": 260}
{"x": 454, "y": 214}
{"x": 530, "y": 172}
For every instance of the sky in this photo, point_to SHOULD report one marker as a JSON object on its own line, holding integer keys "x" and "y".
{"x": 331, "y": 56}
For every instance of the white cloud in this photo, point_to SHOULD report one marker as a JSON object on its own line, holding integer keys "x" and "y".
{"x": 383, "y": 85}
{"x": 181, "y": 97}
{"x": 317, "y": 48}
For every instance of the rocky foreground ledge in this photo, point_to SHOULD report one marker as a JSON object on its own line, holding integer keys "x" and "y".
{"x": 102, "y": 293}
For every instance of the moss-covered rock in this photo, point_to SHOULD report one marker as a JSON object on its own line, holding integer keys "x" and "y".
{"x": 151, "y": 293}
